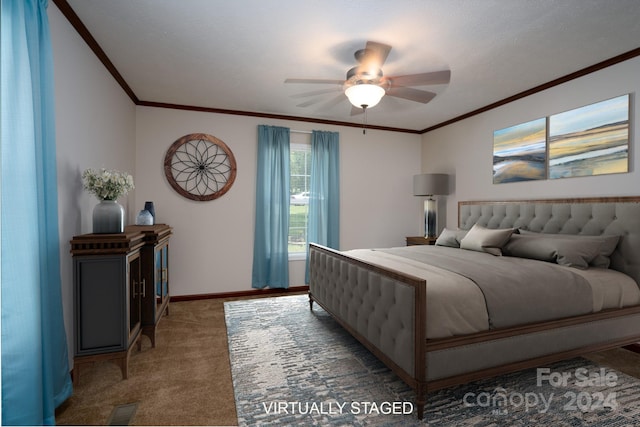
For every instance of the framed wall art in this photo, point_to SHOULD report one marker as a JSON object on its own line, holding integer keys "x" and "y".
{"x": 519, "y": 152}
{"x": 200, "y": 167}
{"x": 590, "y": 140}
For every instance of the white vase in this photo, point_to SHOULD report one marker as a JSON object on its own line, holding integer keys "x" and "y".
{"x": 108, "y": 217}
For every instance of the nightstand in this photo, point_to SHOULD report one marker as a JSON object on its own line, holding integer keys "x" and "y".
{"x": 421, "y": 240}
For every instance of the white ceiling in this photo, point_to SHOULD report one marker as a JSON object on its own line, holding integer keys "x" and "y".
{"x": 235, "y": 55}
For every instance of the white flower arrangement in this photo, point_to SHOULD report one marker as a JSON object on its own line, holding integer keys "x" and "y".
{"x": 107, "y": 184}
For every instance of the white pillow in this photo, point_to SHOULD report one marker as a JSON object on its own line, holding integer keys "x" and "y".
{"x": 483, "y": 239}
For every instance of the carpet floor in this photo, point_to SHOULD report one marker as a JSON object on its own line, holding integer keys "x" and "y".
{"x": 186, "y": 379}
{"x": 293, "y": 366}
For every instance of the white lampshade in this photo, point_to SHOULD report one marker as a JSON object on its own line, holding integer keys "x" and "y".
{"x": 430, "y": 184}
{"x": 364, "y": 94}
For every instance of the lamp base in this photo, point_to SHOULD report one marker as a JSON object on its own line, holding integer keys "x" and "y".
{"x": 430, "y": 219}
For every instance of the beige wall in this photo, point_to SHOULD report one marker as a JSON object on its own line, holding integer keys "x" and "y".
{"x": 465, "y": 149}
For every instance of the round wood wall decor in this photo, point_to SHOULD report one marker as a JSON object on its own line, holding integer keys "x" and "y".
{"x": 200, "y": 167}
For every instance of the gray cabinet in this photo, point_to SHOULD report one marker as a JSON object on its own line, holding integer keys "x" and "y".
{"x": 108, "y": 293}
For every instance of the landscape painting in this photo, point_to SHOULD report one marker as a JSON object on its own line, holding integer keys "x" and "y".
{"x": 519, "y": 152}
{"x": 591, "y": 140}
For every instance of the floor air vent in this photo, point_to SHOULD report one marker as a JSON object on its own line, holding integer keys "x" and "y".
{"x": 122, "y": 415}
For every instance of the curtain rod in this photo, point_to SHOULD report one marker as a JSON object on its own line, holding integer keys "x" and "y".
{"x": 300, "y": 131}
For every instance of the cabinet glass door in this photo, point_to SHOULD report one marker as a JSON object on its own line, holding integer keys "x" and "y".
{"x": 162, "y": 276}
{"x": 158, "y": 276}
{"x": 165, "y": 272}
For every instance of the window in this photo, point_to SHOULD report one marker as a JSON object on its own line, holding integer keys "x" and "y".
{"x": 300, "y": 158}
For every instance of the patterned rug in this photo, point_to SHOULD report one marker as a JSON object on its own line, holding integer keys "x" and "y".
{"x": 291, "y": 366}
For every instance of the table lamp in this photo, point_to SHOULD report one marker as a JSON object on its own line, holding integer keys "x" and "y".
{"x": 430, "y": 184}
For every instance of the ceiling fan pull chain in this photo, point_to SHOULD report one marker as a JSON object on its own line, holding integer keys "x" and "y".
{"x": 364, "y": 123}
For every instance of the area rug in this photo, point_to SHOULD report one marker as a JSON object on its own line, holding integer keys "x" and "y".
{"x": 293, "y": 366}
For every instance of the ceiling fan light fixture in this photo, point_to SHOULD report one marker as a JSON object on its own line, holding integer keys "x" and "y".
{"x": 364, "y": 94}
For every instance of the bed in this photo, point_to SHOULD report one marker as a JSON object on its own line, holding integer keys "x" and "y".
{"x": 381, "y": 298}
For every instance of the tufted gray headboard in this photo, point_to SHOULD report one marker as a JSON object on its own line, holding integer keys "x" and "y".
{"x": 592, "y": 216}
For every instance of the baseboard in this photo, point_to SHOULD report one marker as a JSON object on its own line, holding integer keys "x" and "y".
{"x": 248, "y": 293}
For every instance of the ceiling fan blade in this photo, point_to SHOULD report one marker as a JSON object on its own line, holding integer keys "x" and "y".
{"x": 433, "y": 78}
{"x": 376, "y": 53}
{"x": 334, "y": 101}
{"x": 356, "y": 110}
{"x": 314, "y": 81}
{"x": 315, "y": 92}
{"x": 411, "y": 94}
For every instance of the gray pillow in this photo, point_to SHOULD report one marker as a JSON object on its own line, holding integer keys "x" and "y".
{"x": 608, "y": 244}
{"x": 488, "y": 240}
{"x": 451, "y": 238}
{"x": 569, "y": 252}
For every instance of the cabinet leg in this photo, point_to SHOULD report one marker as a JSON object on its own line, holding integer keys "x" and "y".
{"x": 76, "y": 373}
{"x": 124, "y": 366}
{"x": 120, "y": 359}
{"x": 150, "y": 331}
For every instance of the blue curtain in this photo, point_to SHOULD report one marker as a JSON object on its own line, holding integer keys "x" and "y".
{"x": 270, "y": 248}
{"x": 35, "y": 369}
{"x": 323, "y": 224}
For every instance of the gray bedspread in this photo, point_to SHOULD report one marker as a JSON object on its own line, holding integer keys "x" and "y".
{"x": 517, "y": 291}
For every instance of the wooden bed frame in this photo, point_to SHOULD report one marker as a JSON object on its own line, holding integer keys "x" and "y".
{"x": 338, "y": 282}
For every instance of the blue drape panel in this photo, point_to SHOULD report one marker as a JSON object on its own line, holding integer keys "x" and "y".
{"x": 270, "y": 248}
{"x": 323, "y": 224}
{"x": 35, "y": 369}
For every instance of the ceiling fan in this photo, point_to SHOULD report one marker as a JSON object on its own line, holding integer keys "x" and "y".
{"x": 365, "y": 84}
